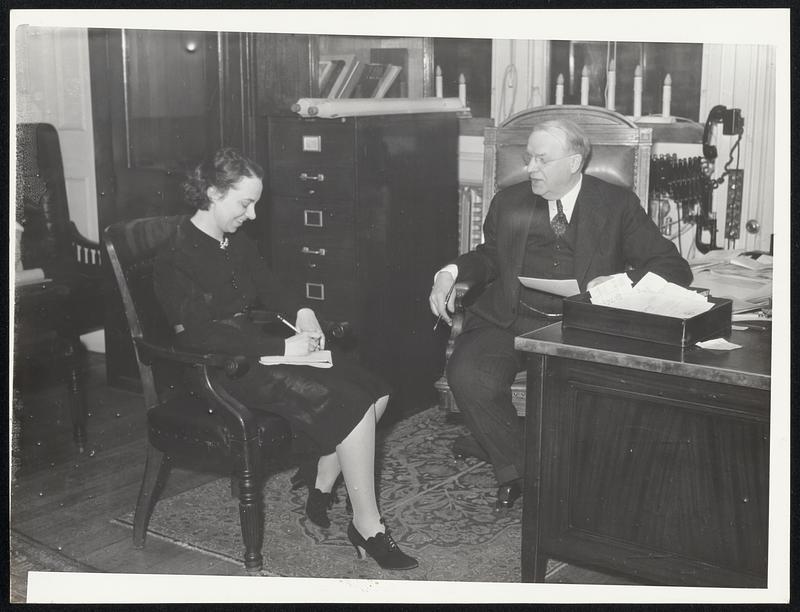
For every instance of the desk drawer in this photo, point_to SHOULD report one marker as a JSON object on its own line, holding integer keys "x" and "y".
{"x": 311, "y": 142}
{"x": 312, "y": 181}
{"x": 314, "y": 223}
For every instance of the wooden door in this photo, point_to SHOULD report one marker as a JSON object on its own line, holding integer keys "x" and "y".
{"x": 161, "y": 100}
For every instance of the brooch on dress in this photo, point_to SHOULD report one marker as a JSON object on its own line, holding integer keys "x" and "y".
{"x": 223, "y": 244}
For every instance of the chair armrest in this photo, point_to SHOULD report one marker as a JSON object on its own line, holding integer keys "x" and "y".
{"x": 466, "y": 293}
{"x": 232, "y": 364}
{"x": 240, "y": 420}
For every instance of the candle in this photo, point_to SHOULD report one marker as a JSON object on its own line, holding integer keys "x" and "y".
{"x": 585, "y": 86}
{"x": 637, "y": 91}
{"x": 439, "y": 82}
{"x": 611, "y": 85}
{"x": 560, "y": 89}
{"x": 666, "y": 96}
{"x": 462, "y": 89}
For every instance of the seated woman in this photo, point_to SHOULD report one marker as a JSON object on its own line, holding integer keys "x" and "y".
{"x": 207, "y": 277}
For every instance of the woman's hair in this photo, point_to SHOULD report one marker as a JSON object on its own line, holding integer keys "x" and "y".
{"x": 222, "y": 171}
{"x": 576, "y": 140}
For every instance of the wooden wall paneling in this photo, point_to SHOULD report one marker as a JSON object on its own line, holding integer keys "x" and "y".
{"x": 285, "y": 71}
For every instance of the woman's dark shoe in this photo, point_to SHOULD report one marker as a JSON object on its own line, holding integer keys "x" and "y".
{"x": 317, "y": 507}
{"x": 318, "y": 503}
{"x": 382, "y": 548}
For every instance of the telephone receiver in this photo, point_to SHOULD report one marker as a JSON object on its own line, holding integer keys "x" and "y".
{"x": 732, "y": 123}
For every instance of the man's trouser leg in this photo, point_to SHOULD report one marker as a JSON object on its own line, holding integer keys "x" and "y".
{"x": 480, "y": 372}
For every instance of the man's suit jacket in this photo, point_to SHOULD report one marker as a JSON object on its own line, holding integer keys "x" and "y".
{"x": 613, "y": 233}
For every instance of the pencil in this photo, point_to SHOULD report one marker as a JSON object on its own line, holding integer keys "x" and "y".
{"x": 287, "y": 324}
{"x": 446, "y": 299}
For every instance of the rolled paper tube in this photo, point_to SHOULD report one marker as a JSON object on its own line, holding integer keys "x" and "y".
{"x": 611, "y": 85}
{"x": 560, "y": 89}
{"x": 326, "y": 108}
{"x": 666, "y": 96}
{"x": 585, "y": 86}
{"x": 637, "y": 91}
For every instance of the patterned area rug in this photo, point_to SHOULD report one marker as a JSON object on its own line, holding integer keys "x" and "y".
{"x": 440, "y": 510}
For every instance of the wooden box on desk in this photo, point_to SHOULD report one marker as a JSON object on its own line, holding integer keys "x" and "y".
{"x": 580, "y": 313}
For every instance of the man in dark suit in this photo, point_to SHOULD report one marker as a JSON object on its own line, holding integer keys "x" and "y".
{"x": 560, "y": 225}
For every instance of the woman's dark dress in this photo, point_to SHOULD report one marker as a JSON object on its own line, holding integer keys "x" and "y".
{"x": 208, "y": 289}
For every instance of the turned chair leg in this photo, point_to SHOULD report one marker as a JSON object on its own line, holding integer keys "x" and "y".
{"x": 73, "y": 355}
{"x": 251, "y": 513}
{"x": 155, "y": 472}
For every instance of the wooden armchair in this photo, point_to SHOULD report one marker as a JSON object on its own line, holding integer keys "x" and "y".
{"x": 620, "y": 155}
{"x": 189, "y": 414}
{"x": 50, "y": 240}
{"x": 50, "y": 315}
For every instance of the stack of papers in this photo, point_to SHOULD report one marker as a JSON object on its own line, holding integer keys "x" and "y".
{"x": 652, "y": 294}
{"x": 317, "y": 359}
{"x": 731, "y": 274}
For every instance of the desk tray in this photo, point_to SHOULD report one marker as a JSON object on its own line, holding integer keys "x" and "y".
{"x": 580, "y": 313}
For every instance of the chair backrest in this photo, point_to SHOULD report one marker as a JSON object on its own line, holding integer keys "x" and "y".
{"x": 620, "y": 149}
{"x": 132, "y": 247}
{"x": 41, "y": 199}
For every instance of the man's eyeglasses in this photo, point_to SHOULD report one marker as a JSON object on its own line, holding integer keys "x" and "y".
{"x": 527, "y": 158}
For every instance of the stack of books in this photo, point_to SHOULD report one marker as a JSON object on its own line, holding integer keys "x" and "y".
{"x": 345, "y": 76}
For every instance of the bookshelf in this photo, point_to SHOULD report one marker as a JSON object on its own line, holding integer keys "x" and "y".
{"x": 371, "y": 66}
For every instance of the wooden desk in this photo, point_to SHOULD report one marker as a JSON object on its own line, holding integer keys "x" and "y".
{"x": 647, "y": 460}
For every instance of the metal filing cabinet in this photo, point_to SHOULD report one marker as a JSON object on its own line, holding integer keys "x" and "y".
{"x": 363, "y": 211}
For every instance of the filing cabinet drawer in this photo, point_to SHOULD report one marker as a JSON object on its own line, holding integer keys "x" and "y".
{"x": 315, "y": 223}
{"x": 312, "y": 181}
{"x": 311, "y": 142}
{"x": 293, "y": 259}
{"x": 333, "y": 299}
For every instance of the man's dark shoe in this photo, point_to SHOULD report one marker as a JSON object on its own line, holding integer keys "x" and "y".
{"x": 467, "y": 446}
{"x": 508, "y": 493}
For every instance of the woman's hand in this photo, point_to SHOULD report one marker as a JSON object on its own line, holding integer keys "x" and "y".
{"x": 303, "y": 343}
{"x": 307, "y": 322}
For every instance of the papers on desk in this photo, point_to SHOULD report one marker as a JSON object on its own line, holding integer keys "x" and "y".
{"x": 746, "y": 281}
{"x": 562, "y": 287}
{"x": 718, "y": 344}
{"x": 652, "y": 294}
{"x": 317, "y": 359}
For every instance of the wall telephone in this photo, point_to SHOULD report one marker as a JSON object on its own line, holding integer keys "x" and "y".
{"x": 732, "y": 123}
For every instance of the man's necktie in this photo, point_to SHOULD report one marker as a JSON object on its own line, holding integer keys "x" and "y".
{"x": 559, "y": 221}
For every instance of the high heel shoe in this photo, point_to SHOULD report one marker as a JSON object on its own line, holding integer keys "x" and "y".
{"x": 382, "y": 548}
{"x": 318, "y": 503}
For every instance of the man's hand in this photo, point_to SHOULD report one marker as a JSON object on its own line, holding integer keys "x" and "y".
{"x": 597, "y": 281}
{"x": 307, "y": 322}
{"x": 440, "y": 305}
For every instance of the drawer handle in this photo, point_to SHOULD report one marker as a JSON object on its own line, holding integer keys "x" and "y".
{"x": 315, "y": 291}
{"x": 312, "y": 218}
{"x": 304, "y": 176}
{"x": 308, "y": 251}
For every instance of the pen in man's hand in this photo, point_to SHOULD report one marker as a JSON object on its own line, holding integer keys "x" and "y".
{"x": 446, "y": 300}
